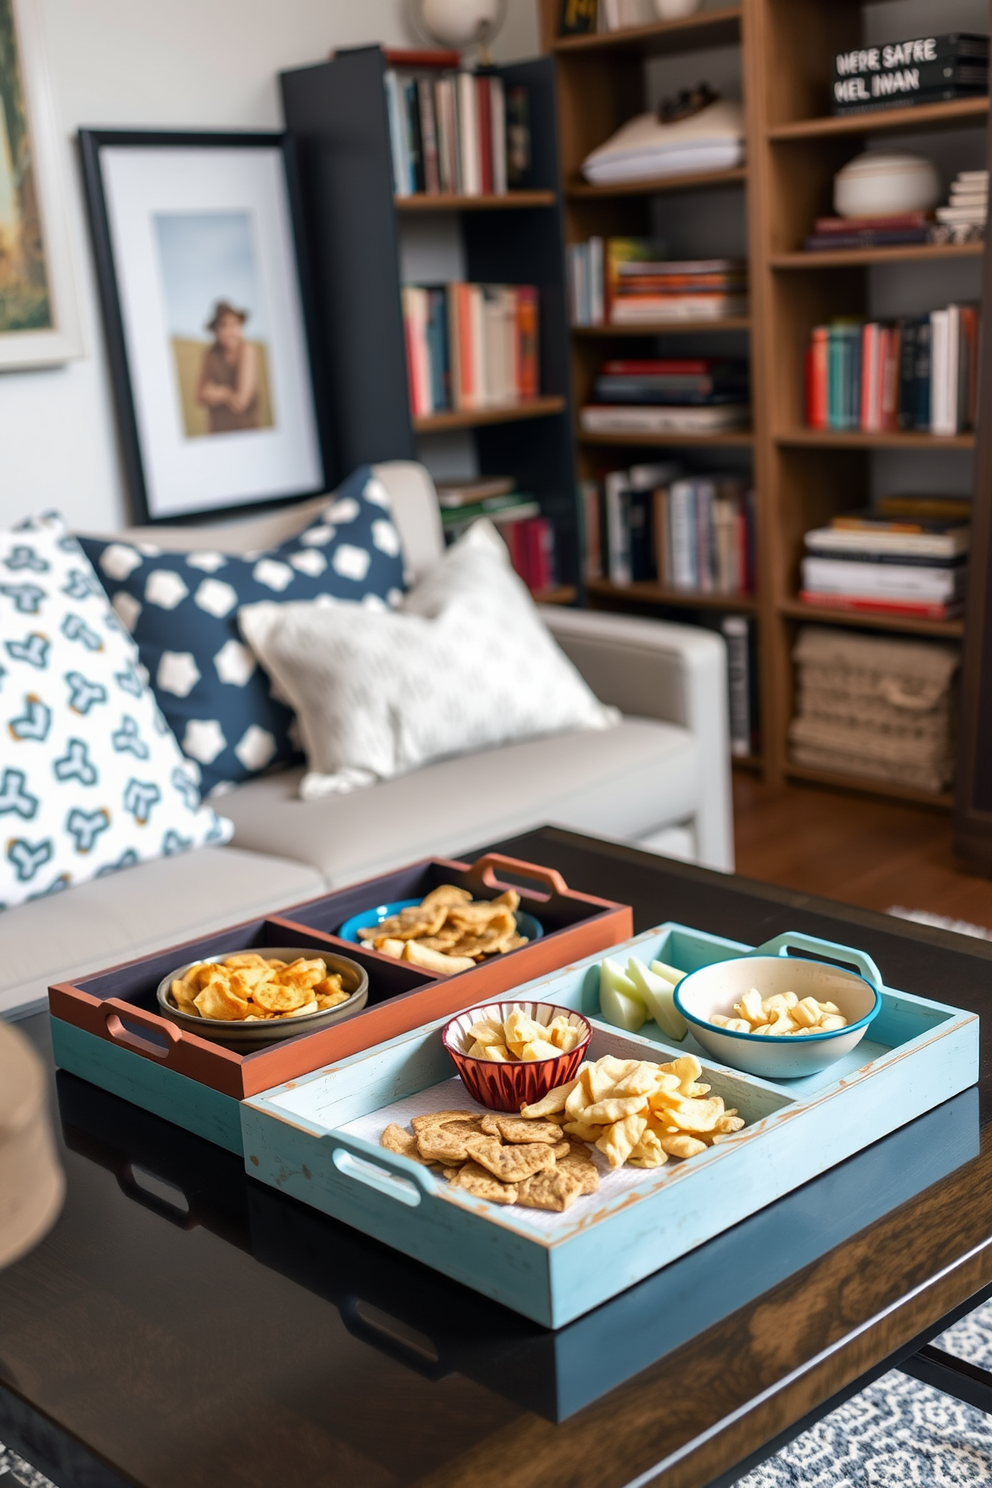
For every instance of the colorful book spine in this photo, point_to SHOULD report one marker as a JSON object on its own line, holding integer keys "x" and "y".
{"x": 455, "y": 134}
{"x": 471, "y": 345}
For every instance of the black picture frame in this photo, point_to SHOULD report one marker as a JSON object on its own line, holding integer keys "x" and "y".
{"x": 92, "y": 143}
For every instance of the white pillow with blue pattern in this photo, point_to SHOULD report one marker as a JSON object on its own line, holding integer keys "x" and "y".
{"x": 182, "y": 610}
{"x": 91, "y": 779}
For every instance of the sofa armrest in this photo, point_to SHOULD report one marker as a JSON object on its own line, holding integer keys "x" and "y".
{"x": 677, "y": 673}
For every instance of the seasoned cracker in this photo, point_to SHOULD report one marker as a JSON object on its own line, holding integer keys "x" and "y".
{"x": 482, "y": 1185}
{"x": 515, "y": 1129}
{"x": 555, "y": 1189}
{"x": 441, "y": 1118}
{"x": 511, "y": 1164}
{"x": 446, "y": 1144}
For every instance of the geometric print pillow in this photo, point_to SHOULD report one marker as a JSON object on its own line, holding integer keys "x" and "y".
{"x": 182, "y": 610}
{"x": 91, "y": 779}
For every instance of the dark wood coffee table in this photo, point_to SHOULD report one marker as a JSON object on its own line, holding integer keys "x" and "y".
{"x": 183, "y": 1325}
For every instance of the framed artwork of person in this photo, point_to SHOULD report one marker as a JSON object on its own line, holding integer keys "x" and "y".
{"x": 207, "y": 310}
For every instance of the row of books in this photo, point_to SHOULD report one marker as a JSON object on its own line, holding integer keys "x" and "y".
{"x": 920, "y": 372}
{"x": 470, "y": 345}
{"x": 529, "y": 537}
{"x": 463, "y": 133}
{"x": 924, "y": 69}
{"x": 629, "y": 281}
{"x": 651, "y": 524}
{"x": 907, "y": 555}
{"x": 676, "y": 395}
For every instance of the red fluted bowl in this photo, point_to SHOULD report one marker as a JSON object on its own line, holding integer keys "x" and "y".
{"x": 507, "y": 1087}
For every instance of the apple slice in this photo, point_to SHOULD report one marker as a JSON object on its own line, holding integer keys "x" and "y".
{"x": 657, "y": 993}
{"x": 669, "y": 973}
{"x": 619, "y": 1000}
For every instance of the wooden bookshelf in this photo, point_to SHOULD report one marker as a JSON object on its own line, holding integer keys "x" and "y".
{"x": 579, "y": 190}
{"x": 505, "y": 202}
{"x": 866, "y": 786}
{"x": 845, "y": 258}
{"x": 474, "y": 418}
{"x": 794, "y": 147}
{"x": 667, "y": 328}
{"x": 657, "y": 594}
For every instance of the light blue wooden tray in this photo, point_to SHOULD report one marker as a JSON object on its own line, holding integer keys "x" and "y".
{"x": 555, "y": 1268}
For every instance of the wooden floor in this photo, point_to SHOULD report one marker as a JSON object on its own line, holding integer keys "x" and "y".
{"x": 871, "y": 853}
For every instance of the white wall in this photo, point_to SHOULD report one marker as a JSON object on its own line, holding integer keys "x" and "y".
{"x": 144, "y": 64}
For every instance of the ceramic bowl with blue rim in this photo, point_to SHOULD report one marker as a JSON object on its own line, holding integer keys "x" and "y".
{"x": 369, "y": 918}
{"x": 715, "y": 989}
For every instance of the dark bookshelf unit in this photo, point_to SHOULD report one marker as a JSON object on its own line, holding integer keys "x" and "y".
{"x": 337, "y": 114}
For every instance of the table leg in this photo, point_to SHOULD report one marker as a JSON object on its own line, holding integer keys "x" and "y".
{"x": 967, "y": 1382}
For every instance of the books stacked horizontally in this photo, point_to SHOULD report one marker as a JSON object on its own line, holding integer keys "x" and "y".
{"x": 461, "y": 133}
{"x": 628, "y": 281}
{"x": 679, "y": 395}
{"x": 832, "y": 233}
{"x": 926, "y": 69}
{"x": 651, "y": 524}
{"x": 470, "y": 345}
{"x": 873, "y": 707}
{"x": 964, "y": 218}
{"x": 529, "y": 537}
{"x": 897, "y": 558}
{"x": 920, "y": 372}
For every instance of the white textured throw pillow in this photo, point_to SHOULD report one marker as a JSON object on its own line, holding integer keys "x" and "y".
{"x": 466, "y": 664}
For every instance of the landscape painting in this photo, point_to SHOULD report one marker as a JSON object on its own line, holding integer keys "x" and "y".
{"x": 215, "y": 321}
{"x": 25, "y": 298}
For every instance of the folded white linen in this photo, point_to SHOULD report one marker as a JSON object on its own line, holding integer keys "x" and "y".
{"x": 711, "y": 140}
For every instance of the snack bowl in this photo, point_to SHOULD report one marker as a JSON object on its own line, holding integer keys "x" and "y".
{"x": 526, "y": 923}
{"x": 716, "y": 988}
{"x": 507, "y": 1087}
{"x": 248, "y": 1036}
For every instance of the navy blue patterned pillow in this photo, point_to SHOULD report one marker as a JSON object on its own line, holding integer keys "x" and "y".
{"x": 182, "y": 610}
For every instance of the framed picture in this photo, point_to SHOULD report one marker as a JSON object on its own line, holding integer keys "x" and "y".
{"x": 198, "y": 253}
{"x": 39, "y": 311}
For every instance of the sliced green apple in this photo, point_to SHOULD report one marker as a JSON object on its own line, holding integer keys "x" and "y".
{"x": 657, "y": 993}
{"x": 619, "y": 1000}
{"x": 670, "y": 973}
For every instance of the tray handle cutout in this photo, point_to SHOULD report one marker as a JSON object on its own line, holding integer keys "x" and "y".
{"x": 828, "y": 949}
{"x": 395, "y": 1339}
{"x": 383, "y": 1177}
{"x": 115, "y": 1011}
{"x": 129, "y": 1184}
{"x": 484, "y": 872}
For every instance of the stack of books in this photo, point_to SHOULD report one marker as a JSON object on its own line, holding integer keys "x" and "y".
{"x": 897, "y": 558}
{"x": 628, "y": 281}
{"x": 926, "y": 69}
{"x": 920, "y": 372}
{"x": 529, "y": 537}
{"x": 679, "y": 395}
{"x": 650, "y": 524}
{"x": 964, "y": 218}
{"x": 831, "y": 233}
{"x": 460, "y": 133}
{"x": 470, "y": 345}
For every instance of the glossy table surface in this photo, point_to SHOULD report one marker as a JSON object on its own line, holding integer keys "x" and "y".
{"x": 182, "y": 1324}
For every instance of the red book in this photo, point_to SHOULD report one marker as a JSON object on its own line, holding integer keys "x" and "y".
{"x": 527, "y": 371}
{"x": 845, "y": 225}
{"x": 889, "y": 353}
{"x": 485, "y": 105}
{"x": 674, "y": 366}
{"x": 870, "y": 415}
{"x": 817, "y": 378}
{"x": 424, "y": 57}
{"x": 918, "y": 609}
{"x": 516, "y": 541}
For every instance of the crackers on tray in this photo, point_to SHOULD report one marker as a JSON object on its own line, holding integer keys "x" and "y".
{"x": 449, "y": 931}
{"x": 631, "y": 1110}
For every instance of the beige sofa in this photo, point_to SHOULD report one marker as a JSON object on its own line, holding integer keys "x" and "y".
{"x": 661, "y": 778}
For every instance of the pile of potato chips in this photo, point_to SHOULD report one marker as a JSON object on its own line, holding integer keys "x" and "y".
{"x": 448, "y": 931}
{"x": 247, "y": 988}
{"x": 519, "y": 1037}
{"x": 630, "y": 1110}
{"x": 781, "y": 1015}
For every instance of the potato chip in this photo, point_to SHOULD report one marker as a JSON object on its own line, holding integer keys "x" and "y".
{"x": 276, "y": 997}
{"x": 521, "y": 1029}
{"x": 619, "y": 1140}
{"x": 487, "y": 1031}
{"x": 436, "y": 960}
{"x": 551, "y": 1103}
{"x": 499, "y": 1053}
{"x": 584, "y": 1130}
{"x": 540, "y": 1049}
{"x": 218, "y": 1001}
{"x": 607, "y": 1111}
{"x": 446, "y": 894}
{"x": 680, "y": 1144}
{"x": 649, "y": 1152}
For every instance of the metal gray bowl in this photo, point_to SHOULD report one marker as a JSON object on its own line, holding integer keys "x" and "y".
{"x": 248, "y": 1036}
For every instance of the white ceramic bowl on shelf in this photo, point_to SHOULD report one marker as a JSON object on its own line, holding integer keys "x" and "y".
{"x": 877, "y": 185}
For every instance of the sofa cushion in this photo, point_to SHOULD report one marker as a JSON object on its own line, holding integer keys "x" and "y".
{"x": 181, "y": 608}
{"x": 91, "y": 779}
{"x": 150, "y": 906}
{"x": 466, "y": 663}
{"x": 622, "y": 783}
